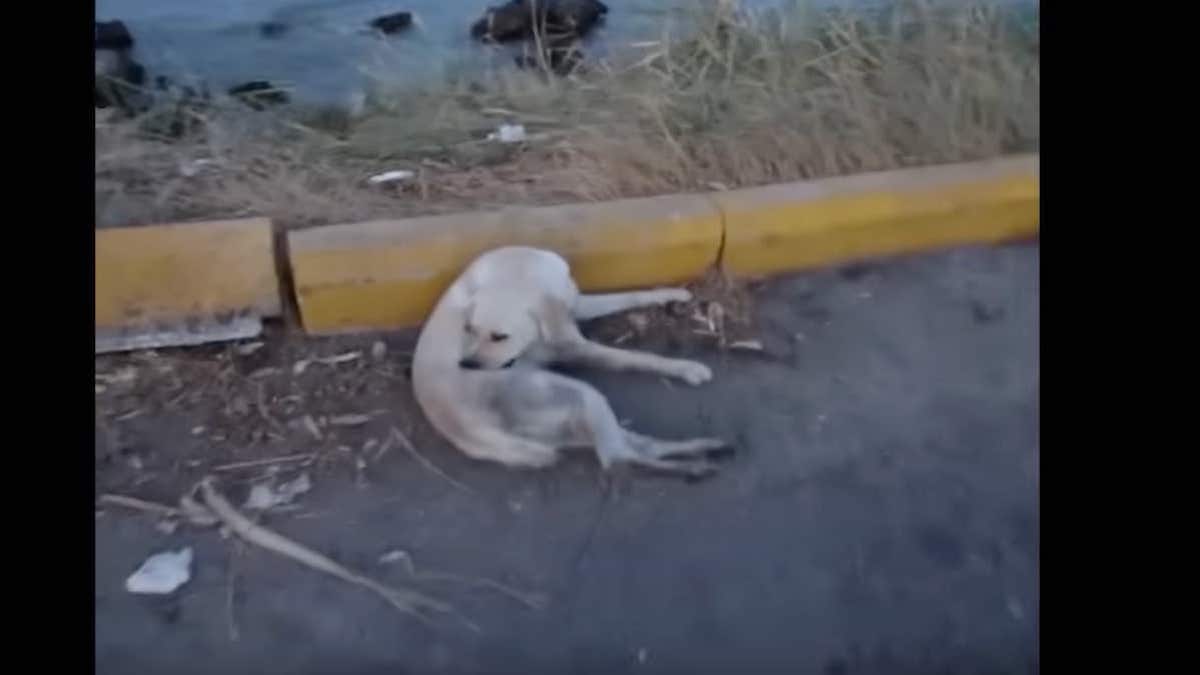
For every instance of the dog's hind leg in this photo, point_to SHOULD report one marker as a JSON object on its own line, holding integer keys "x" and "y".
{"x": 593, "y": 306}
{"x": 614, "y": 444}
{"x": 658, "y": 448}
{"x": 555, "y": 411}
{"x": 511, "y": 451}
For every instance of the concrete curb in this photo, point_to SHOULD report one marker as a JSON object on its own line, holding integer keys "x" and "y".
{"x": 199, "y": 282}
{"x": 793, "y": 226}
{"x": 388, "y": 274}
{"x": 181, "y": 284}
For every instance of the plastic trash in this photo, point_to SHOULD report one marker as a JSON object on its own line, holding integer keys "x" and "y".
{"x": 162, "y": 573}
{"x": 508, "y": 133}
{"x": 390, "y": 177}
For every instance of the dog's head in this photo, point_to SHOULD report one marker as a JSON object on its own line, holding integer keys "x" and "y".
{"x": 500, "y": 325}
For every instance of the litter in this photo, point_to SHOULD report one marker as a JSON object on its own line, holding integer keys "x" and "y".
{"x": 193, "y": 168}
{"x": 390, "y": 177}
{"x": 378, "y": 350}
{"x": 248, "y": 348}
{"x": 341, "y": 358}
{"x": 161, "y": 573}
{"x": 395, "y": 556}
{"x": 508, "y": 133}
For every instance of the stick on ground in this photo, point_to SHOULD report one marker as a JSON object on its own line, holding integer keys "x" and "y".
{"x": 433, "y": 468}
{"x": 410, "y": 602}
{"x": 139, "y": 505}
{"x": 530, "y": 599}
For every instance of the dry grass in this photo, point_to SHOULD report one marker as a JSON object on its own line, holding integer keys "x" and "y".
{"x": 725, "y": 98}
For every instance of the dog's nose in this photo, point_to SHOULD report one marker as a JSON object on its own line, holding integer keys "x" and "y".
{"x": 469, "y": 364}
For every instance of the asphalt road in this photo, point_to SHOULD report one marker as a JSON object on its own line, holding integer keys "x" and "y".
{"x": 881, "y": 517}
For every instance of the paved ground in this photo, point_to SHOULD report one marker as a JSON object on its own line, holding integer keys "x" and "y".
{"x": 881, "y": 518}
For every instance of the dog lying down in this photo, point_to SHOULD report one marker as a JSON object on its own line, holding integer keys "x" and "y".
{"x": 479, "y": 374}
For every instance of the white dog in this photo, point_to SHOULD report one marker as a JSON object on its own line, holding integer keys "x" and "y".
{"x": 479, "y": 377}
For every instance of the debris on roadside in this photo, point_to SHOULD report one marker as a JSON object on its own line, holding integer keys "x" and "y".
{"x": 349, "y": 420}
{"x": 378, "y": 350}
{"x": 508, "y": 133}
{"x": 196, "y": 513}
{"x": 299, "y": 367}
{"x": 161, "y": 573}
{"x": 747, "y": 345}
{"x": 165, "y": 572}
{"x": 408, "y": 601}
{"x": 125, "y": 375}
{"x": 193, "y": 168}
{"x": 424, "y": 461}
{"x": 393, "y": 556}
{"x": 391, "y": 177}
{"x": 271, "y": 462}
{"x": 267, "y": 495}
{"x": 310, "y": 425}
{"x": 341, "y": 358}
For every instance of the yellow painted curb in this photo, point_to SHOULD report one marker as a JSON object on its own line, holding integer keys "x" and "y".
{"x": 168, "y": 284}
{"x": 797, "y": 225}
{"x": 388, "y": 274}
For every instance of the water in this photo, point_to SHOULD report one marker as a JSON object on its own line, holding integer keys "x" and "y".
{"x": 327, "y": 53}
{"x": 327, "y": 47}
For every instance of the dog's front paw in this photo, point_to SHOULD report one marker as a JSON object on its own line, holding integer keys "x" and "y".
{"x": 693, "y": 372}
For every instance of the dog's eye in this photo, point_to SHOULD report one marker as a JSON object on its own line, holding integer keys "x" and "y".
{"x": 499, "y": 337}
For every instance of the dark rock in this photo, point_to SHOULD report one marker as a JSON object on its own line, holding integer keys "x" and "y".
{"x": 258, "y": 94}
{"x": 506, "y": 23}
{"x": 392, "y": 23}
{"x": 577, "y": 17}
{"x": 121, "y": 95}
{"x": 118, "y": 80}
{"x": 522, "y": 19}
{"x": 113, "y": 35}
{"x": 272, "y": 29}
{"x": 135, "y": 73}
{"x": 118, "y": 77}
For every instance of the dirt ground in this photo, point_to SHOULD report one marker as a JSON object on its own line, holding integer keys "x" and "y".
{"x": 880, "y": 517}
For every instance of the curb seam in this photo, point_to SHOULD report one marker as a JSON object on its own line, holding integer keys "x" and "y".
{"x": 719, "y": 262}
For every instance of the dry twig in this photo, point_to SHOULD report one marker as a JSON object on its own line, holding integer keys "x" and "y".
{"x": 412, "y": 450}
{"x": 407, "y": 601}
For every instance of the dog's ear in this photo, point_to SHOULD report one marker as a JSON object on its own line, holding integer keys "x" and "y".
{"x": 553, "y": 319}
